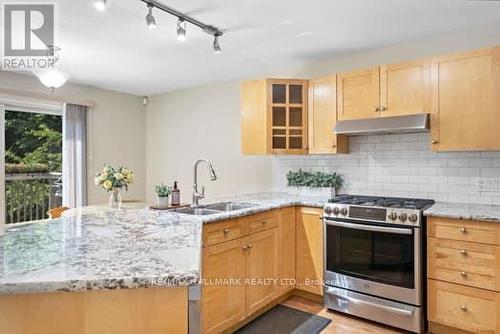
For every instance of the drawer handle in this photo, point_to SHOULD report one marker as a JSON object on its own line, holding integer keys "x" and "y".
{"x": 463, "y": 230}
{"x": 463, "y": 252}
{"x": 264, "y": 221}
{"x": 463, "y": 274}
{"x": 226, "y": 231}
{"x": 463, "y": 308}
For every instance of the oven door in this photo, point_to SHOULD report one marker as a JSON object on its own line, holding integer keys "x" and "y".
{"x": 378, "y": 260}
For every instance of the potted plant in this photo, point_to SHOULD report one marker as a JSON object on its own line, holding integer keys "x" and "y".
{"x": 308, "y": 182}
{"x": 113, "y": 180}
{"x": 162, "y": 191}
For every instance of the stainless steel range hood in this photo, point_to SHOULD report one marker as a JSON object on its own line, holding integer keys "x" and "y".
{"x": 382, "y": 125}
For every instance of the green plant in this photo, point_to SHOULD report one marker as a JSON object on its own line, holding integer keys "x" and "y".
{"x": 23, "y": 168}
{"x": 162, "y": 190}
{"x": 317, "y": 180}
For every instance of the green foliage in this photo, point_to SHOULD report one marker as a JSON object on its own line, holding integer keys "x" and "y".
{"x": 25, "y": 195}
{"x": 26, "y": 168}
{"x": 316, "y": 180}
{"x": 162, "y": 190}
{"x": 33, "y": 139}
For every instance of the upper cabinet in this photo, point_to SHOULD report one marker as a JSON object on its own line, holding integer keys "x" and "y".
{"x": 405, "y": 88}
{"x": 358, "y": 94}
{"x": 274, "y": 116}
{"x": 388, "y": 90}
{"x": 466, "y": 100}
{"x": 322, "y": 117}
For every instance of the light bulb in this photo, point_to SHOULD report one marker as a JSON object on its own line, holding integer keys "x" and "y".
{"x": 150, "y": 19}
{"x": 52, "y": 78}
{"x": 181, "y": 30}
{"x": 216, "y": 44}
{"x": 100, "y": 5}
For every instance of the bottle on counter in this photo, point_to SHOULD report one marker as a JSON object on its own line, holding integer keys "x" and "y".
{"x": 176, "y": 195}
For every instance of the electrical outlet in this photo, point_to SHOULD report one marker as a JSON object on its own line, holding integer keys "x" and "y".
{"x": 491, "y": 184}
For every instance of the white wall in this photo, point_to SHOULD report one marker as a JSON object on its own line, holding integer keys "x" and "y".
{"x": 205, "y": 121}
{"x": 201, "y": 123}
{"x": 116, "y": 129}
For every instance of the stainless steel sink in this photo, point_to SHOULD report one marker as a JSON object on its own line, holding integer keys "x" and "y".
{"x": 195, "y": 211}
{"x": 228, "y": 206}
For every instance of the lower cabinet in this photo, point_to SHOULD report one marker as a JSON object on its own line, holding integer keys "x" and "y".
{"x": 287, "y": 250}
{"x": 223, "y": 301}
{"x": 309, "y": 250}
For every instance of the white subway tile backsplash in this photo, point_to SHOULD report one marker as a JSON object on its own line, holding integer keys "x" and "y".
{"x": 403, "y": 165}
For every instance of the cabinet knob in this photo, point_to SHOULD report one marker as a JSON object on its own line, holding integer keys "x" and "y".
{"x": 463, "y": 252}
{"x": 434, "y": 141}
{"x": 226, "y": 231}
{"x": 463, "y": 308}
{"x": 333, "y": 146}
{"x": 463, "y": 274}
{"x": 463, "y": 230}
{"x": 383, "y": 108}
{"x": 244, "y": 247}
{"x": 376, "y": 109}
{"x": 264, "y": 221}
{"x": 249, "y": 246}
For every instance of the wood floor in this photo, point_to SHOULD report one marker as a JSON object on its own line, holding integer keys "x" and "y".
{"x": 341, "y": 323}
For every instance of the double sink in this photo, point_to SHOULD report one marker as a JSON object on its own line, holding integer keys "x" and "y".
{"x": 214, "y": 208}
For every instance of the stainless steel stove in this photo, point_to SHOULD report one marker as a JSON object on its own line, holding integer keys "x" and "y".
{"x": 374, "y": 253}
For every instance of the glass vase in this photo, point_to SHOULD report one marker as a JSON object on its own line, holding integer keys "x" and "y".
{"x": 115, "y": 199}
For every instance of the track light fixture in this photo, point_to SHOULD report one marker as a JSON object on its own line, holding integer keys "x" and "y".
{"x": 181, "y": 30}
{"x": 216, "y": 44}
{"x": 100, "y": 5}
{"x": 182, "y": 21}
{"x": 150, "y": 19}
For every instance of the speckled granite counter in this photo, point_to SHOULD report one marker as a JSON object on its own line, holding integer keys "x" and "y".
{"x": 111, "y": 249}
{"x": 481, "y": 212}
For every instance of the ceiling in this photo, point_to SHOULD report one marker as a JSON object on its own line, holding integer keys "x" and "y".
{"x": 115, "y": 50}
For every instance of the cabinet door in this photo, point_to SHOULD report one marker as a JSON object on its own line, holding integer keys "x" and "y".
{"x": 287, "y": 249}
{"x": 287, "y": 108}
{"x": 310, "y": 250}
{"x": 262, "y": 265}
{"x": 358, "y": 94}
{"x": 405, "y": 88}
{"x": 223, "y": 299}
{"x": 467, "y": 101}
{"x": 322, "y": 117}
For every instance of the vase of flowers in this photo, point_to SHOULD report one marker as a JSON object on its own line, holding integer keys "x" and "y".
{"x": 113, "y": 180}
{"x": 162, "y": 192}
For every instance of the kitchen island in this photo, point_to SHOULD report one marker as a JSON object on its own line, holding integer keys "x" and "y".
{"x": 115, "y": 271}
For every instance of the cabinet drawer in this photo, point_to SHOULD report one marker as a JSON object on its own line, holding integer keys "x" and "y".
{"x": 465, "y": 263}
{"x": 260, "y": 221}
{"x": 464, "y": 230}
{"x": 222, "y": 231}
{"x": 468, "y": 309}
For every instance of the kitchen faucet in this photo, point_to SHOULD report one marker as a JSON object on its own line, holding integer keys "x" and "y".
{"x": 196, "y": 195}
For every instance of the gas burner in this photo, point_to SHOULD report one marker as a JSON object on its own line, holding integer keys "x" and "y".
{"x": 384, "y": 202}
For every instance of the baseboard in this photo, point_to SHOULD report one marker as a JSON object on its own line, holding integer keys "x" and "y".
{"x": 435, "y": 328}
{"x": 308, "y": 295}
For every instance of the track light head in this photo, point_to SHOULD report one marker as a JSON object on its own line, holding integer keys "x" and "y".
{"x": 181, "y": 30}
{"x": 216, "y": 44}
{"x": 150, "y": 19}
{"x": 100, "y": 5}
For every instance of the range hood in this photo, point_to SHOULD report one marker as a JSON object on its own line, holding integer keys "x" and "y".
{"x": 382, "y": 125}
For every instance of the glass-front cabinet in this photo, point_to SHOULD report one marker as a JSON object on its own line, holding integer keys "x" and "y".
{"x": 288, "y": 128}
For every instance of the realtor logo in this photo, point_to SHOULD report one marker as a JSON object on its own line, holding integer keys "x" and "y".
{"x": 29, "y": 31}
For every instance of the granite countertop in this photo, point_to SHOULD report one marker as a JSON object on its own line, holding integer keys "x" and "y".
{"x": 480, "y": 212}
{"x": 115, "y": 249}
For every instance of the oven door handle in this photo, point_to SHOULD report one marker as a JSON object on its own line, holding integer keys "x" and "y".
{"x": 406, "y": 313}
{"x": 373, "y": 228}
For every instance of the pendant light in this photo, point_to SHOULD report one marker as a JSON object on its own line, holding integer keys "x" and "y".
{"x": 52, "y": 77}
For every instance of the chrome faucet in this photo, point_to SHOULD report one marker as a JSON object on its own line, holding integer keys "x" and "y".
{"x": 197, "y": 195}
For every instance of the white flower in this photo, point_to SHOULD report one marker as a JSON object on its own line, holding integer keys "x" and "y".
{"x": 107, "y": 184}
{"x": 119, "y": 176}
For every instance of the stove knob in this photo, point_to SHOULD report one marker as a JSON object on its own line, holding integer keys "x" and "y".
{"x": 402, "y": 217}
{"x": 336, "y": 211}
{"x": 413, "y": 218}
{"x": 343, "y": 211}
{"x": 328, "y": 210}
{"x": 393, "y": 216}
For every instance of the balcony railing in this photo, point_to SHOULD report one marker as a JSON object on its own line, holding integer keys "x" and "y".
{"x": 29, "y": 196}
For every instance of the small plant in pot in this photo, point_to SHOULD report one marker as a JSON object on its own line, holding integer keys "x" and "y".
{"x": 311, "y": 180}
{"x": 162, "y": 191}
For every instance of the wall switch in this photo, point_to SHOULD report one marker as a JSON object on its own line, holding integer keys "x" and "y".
{"x": 491, "y": 184}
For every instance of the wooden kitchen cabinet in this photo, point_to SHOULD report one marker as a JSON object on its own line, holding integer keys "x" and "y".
{"x": 322, "y": 117}
{"x": 286, "y": 250}
{"x": 261, "y": 268}
{"x": 466, "y": 101}
{"x": 223, "y": 303}
{"x": 405, "y": 88}
{"x": 274, "y": 116}
{"x": 310, "y": 250}
{"x": 358, "y": 94}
